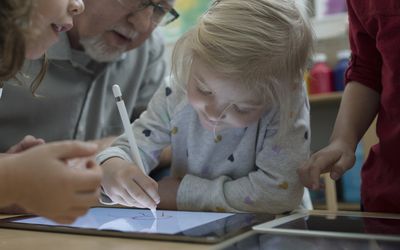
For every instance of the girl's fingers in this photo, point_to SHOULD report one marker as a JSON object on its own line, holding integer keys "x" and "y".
{"x": 139, "y": 195}
{"x": 149, "y": 186}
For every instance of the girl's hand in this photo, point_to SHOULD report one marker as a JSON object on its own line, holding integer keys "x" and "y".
{"x": 44, "y": 184}
{"x": 29, "y": 141}
{"x": 126, "y": 184}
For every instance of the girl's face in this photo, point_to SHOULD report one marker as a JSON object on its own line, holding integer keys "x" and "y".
{"x": 221, "y": 102}
{"x": 49, "y": 18}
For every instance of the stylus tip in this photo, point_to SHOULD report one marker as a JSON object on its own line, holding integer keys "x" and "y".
{"x": 154, "y": 212}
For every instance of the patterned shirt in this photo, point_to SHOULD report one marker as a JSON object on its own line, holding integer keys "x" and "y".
{"x": 239, "y": 170}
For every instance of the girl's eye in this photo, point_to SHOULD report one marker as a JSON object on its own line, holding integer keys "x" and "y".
{"x": 203, "y": 91}
{"x": 241, "y": 110}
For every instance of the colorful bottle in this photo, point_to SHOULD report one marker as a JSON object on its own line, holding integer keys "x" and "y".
{"x": 307, "y": 80}
{"x": 320, "y": 75}
{"x": 351, "y": 180}
{"x": 339, "y": 70}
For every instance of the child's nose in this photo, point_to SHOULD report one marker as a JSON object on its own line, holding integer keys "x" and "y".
{"x": 215, "y": 113}
{"x": 76, "y": 7}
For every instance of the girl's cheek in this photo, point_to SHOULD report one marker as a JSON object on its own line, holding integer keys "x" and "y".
{"x": 245, "y": 121}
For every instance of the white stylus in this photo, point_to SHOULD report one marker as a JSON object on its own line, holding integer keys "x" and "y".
{"x": 128, "y": 131}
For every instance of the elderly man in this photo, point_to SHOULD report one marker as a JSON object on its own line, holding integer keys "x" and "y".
{"x": 112, "y": 42}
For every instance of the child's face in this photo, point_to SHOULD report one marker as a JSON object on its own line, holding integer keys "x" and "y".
{"x": 221, "y": 102}
{"x": 49, "y": 18}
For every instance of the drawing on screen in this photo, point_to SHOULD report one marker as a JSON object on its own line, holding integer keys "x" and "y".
{"x": 141, "y": 221}
{"x": 146, "y": 216}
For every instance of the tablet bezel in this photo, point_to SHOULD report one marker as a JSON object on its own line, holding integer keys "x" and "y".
{"x": 211, "y": 236}
{"x": 272, "y": 226}
{"x": 253, "y": 240}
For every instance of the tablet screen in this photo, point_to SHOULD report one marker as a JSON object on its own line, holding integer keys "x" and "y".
{"x": 266, "y": 241}
{"x": 362, "y": 226}
{"x": 206, "y": 227}
{"x": 350, "y": 224}
{"x": 137, "y": 220}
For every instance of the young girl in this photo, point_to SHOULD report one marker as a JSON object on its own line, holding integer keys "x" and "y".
{"x": 40, "y": 179}
{"x": 234, "y": 112}
{"x": 29, "y": 28}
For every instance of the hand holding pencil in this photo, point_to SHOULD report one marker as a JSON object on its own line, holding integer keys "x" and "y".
{"x": 128, "y": 183}
{"x": 124, "y": 183}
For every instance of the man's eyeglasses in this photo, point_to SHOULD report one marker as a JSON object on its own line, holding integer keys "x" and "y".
{"x": 163, "y": 13}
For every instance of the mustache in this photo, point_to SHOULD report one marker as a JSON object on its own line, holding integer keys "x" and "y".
{"x": 127, "y": 32}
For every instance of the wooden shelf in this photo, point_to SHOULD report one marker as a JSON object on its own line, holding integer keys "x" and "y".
{"x": 325, "y": 97}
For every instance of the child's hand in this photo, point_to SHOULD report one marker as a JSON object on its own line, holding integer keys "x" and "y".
{"x": 127, "y": 185}
{"x": 336, "y": 158}
{"x": 44, "y": 184}
{"x": 29, "y": 141}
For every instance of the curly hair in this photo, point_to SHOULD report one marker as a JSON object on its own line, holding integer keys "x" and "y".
{"x": 15, "y": 22}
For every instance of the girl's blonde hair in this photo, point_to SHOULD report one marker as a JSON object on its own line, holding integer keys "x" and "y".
{"x": 15, "y": 23}
{"x": 265, "y": 44}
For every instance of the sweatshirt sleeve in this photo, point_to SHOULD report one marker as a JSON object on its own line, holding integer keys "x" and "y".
{"x": 151, "y": 130}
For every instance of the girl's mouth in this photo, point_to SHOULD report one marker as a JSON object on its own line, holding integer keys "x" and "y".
{"x": 61, "y": 28}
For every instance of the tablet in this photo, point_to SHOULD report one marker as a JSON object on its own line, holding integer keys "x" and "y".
{"x": 338, "y": 224}
{"x": 205, "y": 227}
{"x": 265, "y": 241}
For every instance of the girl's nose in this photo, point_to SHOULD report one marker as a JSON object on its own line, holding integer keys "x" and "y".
{"x": 214, "y": 113}
{"x": 76, "y": 7}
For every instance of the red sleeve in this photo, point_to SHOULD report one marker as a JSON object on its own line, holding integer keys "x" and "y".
{"x": 365, "y": 63}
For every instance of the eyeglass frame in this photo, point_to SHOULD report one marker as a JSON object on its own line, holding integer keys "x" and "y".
{"x": 160, "y": 8}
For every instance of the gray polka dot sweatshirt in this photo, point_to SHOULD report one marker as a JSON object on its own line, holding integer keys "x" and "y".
{"x": 242, "y": 170}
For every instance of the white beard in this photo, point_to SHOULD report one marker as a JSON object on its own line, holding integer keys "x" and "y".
{"x": 99, "y": 51}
